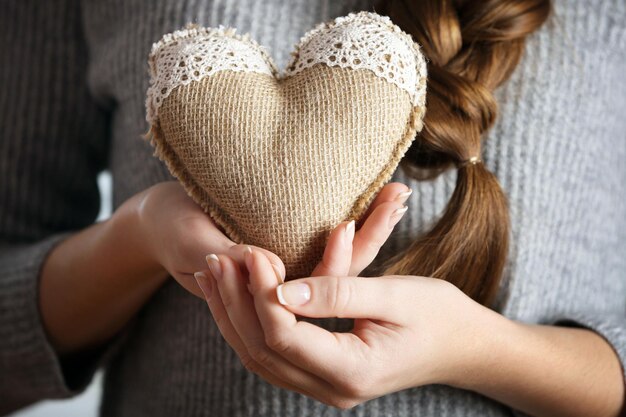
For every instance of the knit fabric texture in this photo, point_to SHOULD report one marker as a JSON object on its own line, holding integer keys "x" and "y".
{"x": 74, "y": 78}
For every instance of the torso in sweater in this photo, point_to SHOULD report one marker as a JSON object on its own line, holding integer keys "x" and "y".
{"x": 558, "y": 149}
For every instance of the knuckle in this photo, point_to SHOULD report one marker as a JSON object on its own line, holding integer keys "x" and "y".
{"x": 227, "y": 300}
{"x": 277, "y": 341}
{"x": 375, "y": 243}
{"x": 338, "y": 295}
{"x": 356, "y": 384}
{"x": 398, "y": 290}
{"x": 355, "y": 389}
{"x": 448, "y": 288}
{"x": 221, "y": 320}
{"x": 249, "y": 363}
{"x": 344, "y": 403}
{"x": 260, "y": 355}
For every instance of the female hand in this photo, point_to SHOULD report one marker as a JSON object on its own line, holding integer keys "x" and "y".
{"x": 178, "y": 234}
{"x": 348, "y": 252}
{"x": 409, "y": 331}
{"x": 256, "y": 333}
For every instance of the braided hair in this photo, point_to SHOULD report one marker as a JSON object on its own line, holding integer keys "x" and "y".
{"x": 472, "y": 46}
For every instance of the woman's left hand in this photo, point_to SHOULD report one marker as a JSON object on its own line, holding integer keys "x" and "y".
{"x": 408, "y": 330}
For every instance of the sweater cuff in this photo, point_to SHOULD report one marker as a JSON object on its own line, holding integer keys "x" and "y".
{"x": 30, "y": 369}
{"x": 612, "y": 327}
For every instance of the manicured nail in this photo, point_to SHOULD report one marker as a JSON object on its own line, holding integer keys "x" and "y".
{"x": 348, "y": 233}
{"x": 397, "y": 215}
{"x": 247, "y": 257}
{"x": 293, "y": 294}
{"x": 214, "y": 265}
{"x": 402, "y": 197}
{"x": 203, "y": 283}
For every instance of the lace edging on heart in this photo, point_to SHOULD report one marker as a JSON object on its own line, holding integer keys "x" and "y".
{"x": 194, "y": 53}
{"x": 365, "y": 40}
{"x": 361, "y": 40}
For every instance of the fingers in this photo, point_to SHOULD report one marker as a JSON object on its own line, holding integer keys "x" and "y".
{"x": 241, "y": 316}
{"x": 311, "y": 347}
{"x": 373, "y": 234}
{"x": 207, "y": 284}
{"x": 349, "y": 297}
{"x": 349, "y": 253}
{"x": 236, "y": 252}
{"x": 338, "y": 252}
{"x": 390, "y": 192}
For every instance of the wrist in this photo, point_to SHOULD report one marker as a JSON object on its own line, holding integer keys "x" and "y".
{"x": 543, "y": 370}
{"x": 93, "y": 282}
{"x": 486, "y": 342}
{"x": 126, "y": 224}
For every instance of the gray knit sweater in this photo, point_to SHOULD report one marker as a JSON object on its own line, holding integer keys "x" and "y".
{"x": 74, "y": 76}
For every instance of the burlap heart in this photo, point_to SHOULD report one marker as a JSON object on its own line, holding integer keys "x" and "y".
{"x": 279, "y": 160}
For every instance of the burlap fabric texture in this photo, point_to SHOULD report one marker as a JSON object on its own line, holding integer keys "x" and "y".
{"x": 278, "y": 162}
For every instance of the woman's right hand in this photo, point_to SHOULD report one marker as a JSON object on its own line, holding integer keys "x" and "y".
{"x": 178, "y": 235}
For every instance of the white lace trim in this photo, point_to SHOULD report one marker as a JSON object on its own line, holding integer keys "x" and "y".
{"x": 365, "y": 40}
{"x": 195, "y": 53}
{"x": 361, "y": 40}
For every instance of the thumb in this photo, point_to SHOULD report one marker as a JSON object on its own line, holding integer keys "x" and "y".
{"x": 346, "y": 297}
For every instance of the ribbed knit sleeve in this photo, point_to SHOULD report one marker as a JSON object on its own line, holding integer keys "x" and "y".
{"x": 29, "y": 367}
{"x": 52, "y": 146}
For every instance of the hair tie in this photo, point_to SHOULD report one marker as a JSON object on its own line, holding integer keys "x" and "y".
{"x": 473, "y": 160}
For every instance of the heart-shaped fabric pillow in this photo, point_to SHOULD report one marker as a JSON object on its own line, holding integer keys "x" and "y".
{"x": 279, "y": 160}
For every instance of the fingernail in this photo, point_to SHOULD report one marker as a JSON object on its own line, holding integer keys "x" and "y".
{"x": 293, "y": 293}
{"x": 279, "y": 273}
{"x": 214, "y": 265}
{"x": 402, "y": 197}
{"x": 248, "y": 258}
{"x": 397, "y": 215}
{"x": 203, "y": 283}
{"x": 348, "y": 233}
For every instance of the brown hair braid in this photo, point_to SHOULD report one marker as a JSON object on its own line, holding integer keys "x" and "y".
{"x": 473, "y": 46}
